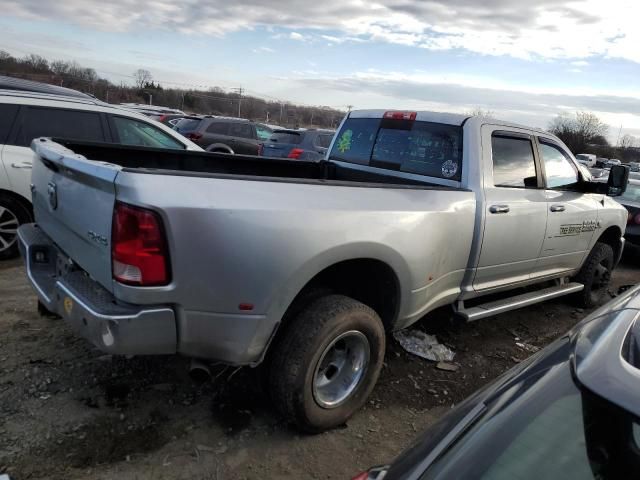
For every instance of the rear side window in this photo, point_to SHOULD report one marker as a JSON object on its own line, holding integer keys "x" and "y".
{"x": 323, "y": 141}
{"x": 134, "y": 132}
{"x": 185, "y": 124}
{"x": 56, "y": 122}
{"x": 7, "y": 117}
{"x": 286, "y": 137}
{"x": 218, "y": 128}
{"x": 263, "y": 132}
{"x": 424, "y": 148}
{"x": 242, "y": 130}
{"x": 513, "y": 162}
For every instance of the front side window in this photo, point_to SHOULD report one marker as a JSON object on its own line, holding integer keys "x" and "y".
{"x": 559, "y": 170}
{"x": 61, "y": 123}
{"x": 7, "y": 116}
{"x": 134, "y": 132}
{"x": 513, "y": 162}
{"x": 424, "y": 148}
{"x": 218, "y": 128}
{"x": 632, "y": 193}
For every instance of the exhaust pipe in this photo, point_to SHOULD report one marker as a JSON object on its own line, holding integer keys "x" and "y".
{"x": 199, "y": 371}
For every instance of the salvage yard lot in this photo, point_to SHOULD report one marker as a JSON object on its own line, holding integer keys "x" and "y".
{"x": 69, "y": 411}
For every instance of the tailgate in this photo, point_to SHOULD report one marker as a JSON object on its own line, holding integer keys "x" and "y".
{"x": 73, "y": 201}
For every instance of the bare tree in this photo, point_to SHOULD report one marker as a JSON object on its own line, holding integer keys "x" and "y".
{"x": 36, "y": 62}
{"x": 142, "y": 77}
{"x": 480, "y": 112}
{"x": 628, "y": 141}
{"x": 580, "y": 131}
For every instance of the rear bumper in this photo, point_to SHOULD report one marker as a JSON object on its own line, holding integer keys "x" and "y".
{"x": 89, "y": 308}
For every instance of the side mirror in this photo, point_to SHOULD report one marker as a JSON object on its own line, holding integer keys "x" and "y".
{"x": 618, "y": 180}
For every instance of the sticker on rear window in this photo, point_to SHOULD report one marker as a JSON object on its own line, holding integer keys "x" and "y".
{"x": 449, "y": 169}
{"x": 344, "y": 144}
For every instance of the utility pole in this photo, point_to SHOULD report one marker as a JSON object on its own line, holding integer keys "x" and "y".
{"x": 239, "y": 90}
{"x": 618, "y": 140}
{"x": 349, "y": 107}
{"x": 281, "y": 108}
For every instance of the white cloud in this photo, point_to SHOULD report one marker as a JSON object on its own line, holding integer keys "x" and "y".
{"x": 538, "y": 28}
{"x": 263, "y": 50}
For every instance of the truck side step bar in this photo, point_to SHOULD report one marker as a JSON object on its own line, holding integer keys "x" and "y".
{"x": 512, "y": 303}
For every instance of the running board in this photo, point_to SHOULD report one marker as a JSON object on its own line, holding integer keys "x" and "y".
{"x": 512, "y": 303}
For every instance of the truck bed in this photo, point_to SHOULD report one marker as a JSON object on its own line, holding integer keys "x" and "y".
{"x": 246, "y": 167}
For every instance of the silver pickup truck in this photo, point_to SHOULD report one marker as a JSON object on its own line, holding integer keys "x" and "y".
{"x": 306, "y": 266}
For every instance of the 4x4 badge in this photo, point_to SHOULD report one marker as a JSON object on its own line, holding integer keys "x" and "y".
{"x": 53, "y": 195}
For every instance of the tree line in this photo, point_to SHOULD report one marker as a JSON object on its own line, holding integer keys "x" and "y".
{"x": 143, "y": 89}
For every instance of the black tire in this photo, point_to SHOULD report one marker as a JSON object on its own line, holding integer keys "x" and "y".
{"x": 297, "y": 355}
{"x": 595, "y": 275}
{"x": 13, "y": 213}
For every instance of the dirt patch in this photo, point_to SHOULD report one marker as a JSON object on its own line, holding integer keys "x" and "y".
{"x": 69, "y": 411}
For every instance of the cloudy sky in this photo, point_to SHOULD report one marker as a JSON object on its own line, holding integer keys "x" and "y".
{"x": 526, "y": 61}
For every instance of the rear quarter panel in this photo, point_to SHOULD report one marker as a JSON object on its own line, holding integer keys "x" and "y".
{"x": 259, "y": 242}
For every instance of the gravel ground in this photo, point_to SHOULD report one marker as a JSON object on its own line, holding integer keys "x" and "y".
{"x": 67, "y": 411}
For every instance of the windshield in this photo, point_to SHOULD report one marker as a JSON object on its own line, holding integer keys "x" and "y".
{"x": 424, "y": 148}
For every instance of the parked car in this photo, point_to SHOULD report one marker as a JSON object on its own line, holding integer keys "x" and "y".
{"x": 612, "y": 161}
{"x": 630, "y": 200}
{"x": 634, "y": 166}
{"x": 152, "y": 111}
{"x": 599, "y": 172}
{"x": 601, "y": 162}
{"x": 587, "y": 159}
{"x": 569, "y": 411}
{"x": 32, "y": 109}
{"x": 309, "y": 264}
{"x": 225, "y": 134}
{"x": 171, "y": 119}
{"x": 298, "y": 144}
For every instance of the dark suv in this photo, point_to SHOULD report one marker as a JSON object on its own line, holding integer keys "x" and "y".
{"x": 225, "y": 134}
{"x": 298, "y": 144}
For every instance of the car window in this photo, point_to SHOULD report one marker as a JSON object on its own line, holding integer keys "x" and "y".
{"x": 58, "y": 122}
{"x": 242, "y": 130}
{"x": 424, "y": 148}
{"x": 513, "y": 162}
{"x": 218, "y": 128}
{"x": 134, "y": 132}
{"x": 323, "y": 140}
{"x": 286, "y": 137}
{"x": 7, "y": 117}
{"x": 559, "y": 170}
{"x": 632, "y": 194}
{"x": 263, "y": 132}
{"x": 186, "y": 124}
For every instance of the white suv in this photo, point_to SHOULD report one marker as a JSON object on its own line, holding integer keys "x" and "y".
{"x": 29, "y": 110}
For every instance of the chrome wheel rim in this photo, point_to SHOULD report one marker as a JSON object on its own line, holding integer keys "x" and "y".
{"x": 341, "y": 368}
{"x": 8, "y": 228}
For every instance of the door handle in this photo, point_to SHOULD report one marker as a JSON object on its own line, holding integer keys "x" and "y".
{"x": 22, "y": 165}
{"x": 499, "y": 208}
{"x": 557, "y": 208}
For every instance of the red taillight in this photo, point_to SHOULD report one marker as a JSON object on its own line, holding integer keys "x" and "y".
{"x": 400, "y": 115}
{"x": 361, "y": 476}
{"x": 138, "y": 248}
{"x": 260, "y": 149}
{"x": 295, "y": 153}
{"x": 161, "y": 118}
{"x": 194, "y": 136}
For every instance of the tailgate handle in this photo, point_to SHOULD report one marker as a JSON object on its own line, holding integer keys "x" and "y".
{"x": 557, "y": 208}
{"x": 499, "y": 208}
{"x": 22, "y": 165}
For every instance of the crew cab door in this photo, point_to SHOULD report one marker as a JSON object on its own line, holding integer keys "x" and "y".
{"x": 573, "y": 215}
{"x": 515, "y": 208}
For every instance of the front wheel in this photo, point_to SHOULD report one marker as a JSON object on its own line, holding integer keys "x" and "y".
{"x": 595, "y": 275}
{"x": 327, "y": 362}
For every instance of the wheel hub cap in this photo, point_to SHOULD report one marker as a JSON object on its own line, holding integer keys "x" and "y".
{"x": 8, "y": 228}
{"x": 340, "y": 369}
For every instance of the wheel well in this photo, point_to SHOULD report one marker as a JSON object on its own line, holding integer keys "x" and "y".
{"x": 18, "y": 198}
{"x": 611, "y": 236}
{"x": 369, "y": 281}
